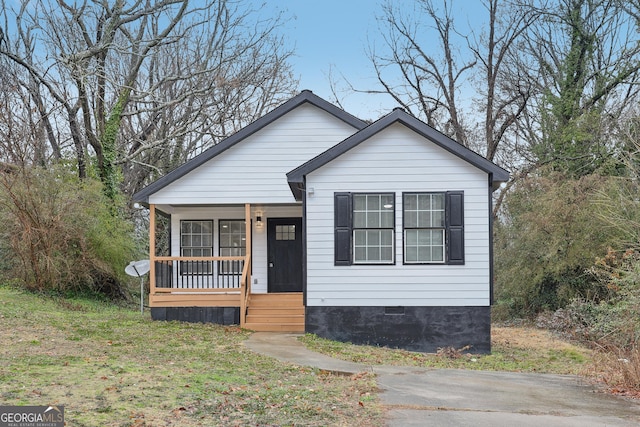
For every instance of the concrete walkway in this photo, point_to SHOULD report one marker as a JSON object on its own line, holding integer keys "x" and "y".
{"x": 448, "y": 397}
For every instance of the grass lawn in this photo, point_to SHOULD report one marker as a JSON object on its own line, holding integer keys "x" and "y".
{"x": 514, "y": 349}
{"x": 111, "y": 366}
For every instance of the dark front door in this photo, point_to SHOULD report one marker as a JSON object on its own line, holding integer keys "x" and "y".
{"x": 284, "y": 247}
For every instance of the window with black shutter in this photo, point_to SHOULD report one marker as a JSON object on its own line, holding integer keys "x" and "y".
{"x": 433, "y": 228}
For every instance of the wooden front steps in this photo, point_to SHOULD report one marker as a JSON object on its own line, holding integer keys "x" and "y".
{"x": 275, "y": 313}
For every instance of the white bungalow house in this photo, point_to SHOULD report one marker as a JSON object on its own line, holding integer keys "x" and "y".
{"x": 310, "y": 219}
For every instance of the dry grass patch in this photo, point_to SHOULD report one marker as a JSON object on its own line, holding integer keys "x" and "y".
{"x": 514, "y": 349}
{"x": 532, "y": 339}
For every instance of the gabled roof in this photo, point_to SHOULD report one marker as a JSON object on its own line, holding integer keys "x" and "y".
{"x": 296, "y": 176}
{"x": 306, "y": 96}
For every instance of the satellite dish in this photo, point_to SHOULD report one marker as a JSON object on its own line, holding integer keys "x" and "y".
{"x": 137, "y": 268}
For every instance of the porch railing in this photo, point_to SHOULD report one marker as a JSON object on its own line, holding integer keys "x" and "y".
{"x": 212, "y": 273}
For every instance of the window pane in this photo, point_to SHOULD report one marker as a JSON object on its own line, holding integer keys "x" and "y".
{"x": 437, "y": 219}
{"x": 386, "y": 254}
{"x": 438, "y": 237}
{"x": 424, "y": 237}
{"x": 359, "y": 219}
{"x": 437, "y": 254}
{"x": 411, "y": 254}
{"x": 373, "y": 238}
{"x": 387, "y": 219}
{"x": 387, "y": 237}
{"x": 438, "y": 202}
{"x": 424, "y": 219}
{"x": 373, "y": 202}
{"x": 424, "y": 203}
{"x": 411, "y": 219}
{"x": 373, "y": 254}
{"x": 410, "y": 202}
{"x": 373, "y": 220}
{"x": 424, "y": 254}
{"x": 411, "y": 237}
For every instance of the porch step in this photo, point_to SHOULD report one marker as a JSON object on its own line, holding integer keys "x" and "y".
{"x": 270, "y": 327}
{"x": 275, "y": 313}
{"x": 276, "y": 300}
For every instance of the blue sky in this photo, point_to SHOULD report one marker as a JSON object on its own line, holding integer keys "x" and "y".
{"x": 333, "y": 35}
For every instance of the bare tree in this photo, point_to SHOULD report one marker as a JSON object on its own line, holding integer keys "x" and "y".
{"x": 428, "y": 84}
{"x": 133, "y": 80}
{"x": 444, "y": 76}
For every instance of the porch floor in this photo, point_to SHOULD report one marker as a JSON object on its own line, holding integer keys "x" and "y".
{"x": 277, "y": 312}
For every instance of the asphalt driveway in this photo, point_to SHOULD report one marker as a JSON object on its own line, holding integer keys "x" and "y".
{"x": 448, "y": 397}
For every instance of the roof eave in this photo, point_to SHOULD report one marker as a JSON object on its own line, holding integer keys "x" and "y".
{"x": 499, "y": 175}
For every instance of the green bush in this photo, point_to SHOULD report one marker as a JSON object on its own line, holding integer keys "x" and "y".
{"x": 547, "y": 241}
{"x": 62, "y": 234}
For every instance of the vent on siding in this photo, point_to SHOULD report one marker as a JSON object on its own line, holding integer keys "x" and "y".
{"x": 394, "y": 311}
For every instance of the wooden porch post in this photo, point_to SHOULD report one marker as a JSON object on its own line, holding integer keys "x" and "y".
{"x": 249, "y": 237}
{"x": 245, "y": 286}
{"x": 152, "y": 251}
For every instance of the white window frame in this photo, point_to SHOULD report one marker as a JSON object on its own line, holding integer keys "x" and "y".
{"x": 372, "y": 227}
{"x": 204, "y": 249}
{"x": 231, "y": 267}
{"x": 430, "y": 220}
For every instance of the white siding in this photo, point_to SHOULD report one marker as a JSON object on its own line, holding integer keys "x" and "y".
{"x": 259, "y": 243}
{"x": 397, "y": 160}
{"x": 254, "y": 170}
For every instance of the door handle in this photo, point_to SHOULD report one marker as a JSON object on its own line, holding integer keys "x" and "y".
{"x": 270, "y": 264}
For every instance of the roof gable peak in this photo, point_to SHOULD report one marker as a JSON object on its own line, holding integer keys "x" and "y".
{"x": 305, "y": 96}
{"x": 398, "y": 115}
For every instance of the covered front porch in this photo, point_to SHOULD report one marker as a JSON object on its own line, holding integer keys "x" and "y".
{"x": 211, "y": 287}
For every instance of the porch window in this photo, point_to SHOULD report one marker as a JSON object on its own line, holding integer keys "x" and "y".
{"x": 424, "y": 227}
{"x": 232, "y": 243}
{"x": 373, "y": 228}
{"x": 196, "y": 240}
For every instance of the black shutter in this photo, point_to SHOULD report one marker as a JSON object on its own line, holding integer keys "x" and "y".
{"x": 342, "y": 223}
{"x": 455, "y": 227}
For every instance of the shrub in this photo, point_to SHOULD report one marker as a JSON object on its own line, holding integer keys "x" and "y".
{"x": 611, "y": 323}
{"x": 546, "y": 242}
{"x": 61, "y": 234}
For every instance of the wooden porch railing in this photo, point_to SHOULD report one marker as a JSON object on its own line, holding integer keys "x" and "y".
{"x": 245, "y": 290}
{"x": 172, "y": 273}
{"x": 221, "y": 279}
